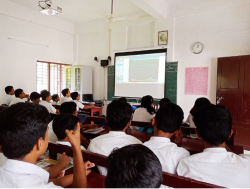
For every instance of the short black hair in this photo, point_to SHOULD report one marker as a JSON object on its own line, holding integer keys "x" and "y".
{"x": 45, "y": 94}
{"x": 214, "y": 123}
{"x": 63, "y": 122}
{"x": 8, "y": 89}
{"x": 68, "y": 108}
{"x": 199, "y": 102}
{"x": 119, "y": 113}
{"x": 65, "y": 91}
{"x": 169, "y": 118}
{"x": 163, "y": 101}
{"x": 122, "y": 99}
{"x": 21, "y": 126}
{"x": 74, "y": 95}
{"x": 146, "y": 102}
{"x": 34, "y": 96}
{"x": 54, "y": 97}
{"x": 18, "y": 92}
{"x": 133, "y": 166}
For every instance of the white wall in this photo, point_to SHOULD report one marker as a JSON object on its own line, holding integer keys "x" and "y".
{"x": 18, "y": 59}
{"x": 224, "y": 32}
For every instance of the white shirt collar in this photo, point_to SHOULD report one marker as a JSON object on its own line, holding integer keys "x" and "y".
{"x": 64, "y": 143}
{"x": 116, "y": 133}
{"x": 26, "y": 168}
{"x": 160, "y": 139}
{"x": 215, "y": 150}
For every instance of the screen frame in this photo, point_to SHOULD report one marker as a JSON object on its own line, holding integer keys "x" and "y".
{"x": 129, "y": 53}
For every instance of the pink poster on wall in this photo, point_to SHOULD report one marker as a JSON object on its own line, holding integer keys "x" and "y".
{"x": 196, "y": 80}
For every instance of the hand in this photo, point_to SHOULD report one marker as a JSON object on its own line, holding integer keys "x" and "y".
{"x": 89, "y": 165}
{"x": 74, "y": 136}
{"x": 27, "y": 96}
{"x": 63, "y": 159}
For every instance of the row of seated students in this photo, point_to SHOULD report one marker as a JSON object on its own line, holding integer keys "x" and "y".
{"x": 18, "y": 95}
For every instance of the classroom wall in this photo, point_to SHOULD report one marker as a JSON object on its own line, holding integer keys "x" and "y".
{"x": 18, "y": 59}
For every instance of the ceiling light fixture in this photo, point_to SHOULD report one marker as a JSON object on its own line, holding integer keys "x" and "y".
{"x": 47, "y": 8}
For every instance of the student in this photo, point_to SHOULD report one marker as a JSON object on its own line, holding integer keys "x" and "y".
{"x": 133, "y": 166}
{"x": 20, "y": 97}
{"x": 145, "y": 112}
{"x": 45, "y": 102}
{"x": 66, "y": 96}
{"x": 9, "y": 90}
{"x": 23, "y": 138}
{"x": 198, "y": 103}
{"x": 163, "y": 101}
{"x": 35, "y": 97}
{"x": 215, "y": 165}
{"x": 76, "y": 97}
{"x": 55, "y": 99}
{"x": 167, "y": 123}
{"x": 122, "y": 99}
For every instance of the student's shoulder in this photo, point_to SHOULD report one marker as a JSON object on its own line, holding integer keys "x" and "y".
{"x": 133, "y": 139}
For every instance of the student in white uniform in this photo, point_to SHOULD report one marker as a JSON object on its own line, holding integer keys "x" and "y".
{"x": 66, "y": 96}
{"x": 145, "y": 112}
{"x": 20, "y": 97}
{"x": 24, "y": 137}
{"x": 35, "y": 97}
{"x": 167, "y": 123}
{"x": 76, "y": 97}
{"x": 133, "y": 166}
{"x": 46, "y": 97}
{"x": 56, "y": 99}
{"x": 9, "y": 90}
{"x": 215, "y": 164}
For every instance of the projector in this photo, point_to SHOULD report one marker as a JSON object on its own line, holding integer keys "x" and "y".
{"x": 46, "y": 7}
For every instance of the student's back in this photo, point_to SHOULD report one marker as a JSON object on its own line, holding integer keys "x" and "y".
{"x": 215, "y": 164}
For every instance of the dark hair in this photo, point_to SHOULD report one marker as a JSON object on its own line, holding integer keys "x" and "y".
{"x": 119, "y": 113}
{"x": 163, "y": 101}
{"x": 18, "y": 92}
{"x": 34, "y": 96}
{"x": 146, "y": 102}
{"x": 213, "y": 123}
{"x": 21, "y": 126}
{"x": 65, "y": 91}
{"x": 169, "y": 118}
{"x": 122, "y": 99}
{"x": 45, "y": 94}
{"x": 54, "y": 97}
{"x": 8, "y": 89}
{"x": 199, "y": 103}
{"x": 74, "y": 95}
{"x": 62, "y": 122}
{"x": 68, "y": 108}
{"x": 133, "y": 166}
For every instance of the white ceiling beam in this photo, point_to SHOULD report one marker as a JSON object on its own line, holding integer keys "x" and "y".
{"x": 156, "y": 8}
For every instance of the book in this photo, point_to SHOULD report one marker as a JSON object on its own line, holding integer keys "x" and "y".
{"x": 94, "y": 131}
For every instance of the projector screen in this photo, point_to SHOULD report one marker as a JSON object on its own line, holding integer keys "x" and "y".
{"x": 140, "y": 73}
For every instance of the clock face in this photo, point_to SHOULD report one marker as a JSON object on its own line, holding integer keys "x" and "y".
{"x": 197, "y": 48}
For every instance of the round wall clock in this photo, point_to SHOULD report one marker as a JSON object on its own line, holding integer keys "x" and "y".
{"x": 197, "y": 48}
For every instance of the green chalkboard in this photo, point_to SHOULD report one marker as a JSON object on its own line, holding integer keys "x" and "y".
{"x": 170, "y": 82}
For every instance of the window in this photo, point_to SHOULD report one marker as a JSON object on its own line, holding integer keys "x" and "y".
{"x": 53, "y": 77}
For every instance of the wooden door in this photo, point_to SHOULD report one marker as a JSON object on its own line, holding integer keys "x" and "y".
{"x": 233, "y": 92}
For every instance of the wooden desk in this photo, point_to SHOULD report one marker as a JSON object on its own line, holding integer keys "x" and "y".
{"x": 92, "y": 110}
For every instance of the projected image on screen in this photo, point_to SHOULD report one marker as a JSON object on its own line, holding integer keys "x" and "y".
{"x": 140, "y": 74}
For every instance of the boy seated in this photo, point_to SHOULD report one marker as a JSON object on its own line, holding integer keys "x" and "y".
{"x": 119, "y": 119}
{"x": 20, "y": 97}
{"x": 55, "y": 99}
{"x": 76, "y": 97}
{"x": 45, "y": 102}
{"x": 215, "y": 164}
{"x": 35, "y": 97}
{"x": 166, "y": 124}
{"x": 66, "y": 96}
{"x": 133, "y": 166}
{"x": 9, "y": 90}
{"x": 23, "y": 138}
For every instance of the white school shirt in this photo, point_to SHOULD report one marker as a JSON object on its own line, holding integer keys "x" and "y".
{"x": 217, "y": 166}
{"x": 141, "y": 114}
{"x": 8, "y": 99}
{"x": 2, "y": 159}
{"x": 190, "y": 121}
{"x": 105, "y": 144}
{"x": 65, "y": 99}
{"x": 79, "y": 105}
{"x": 52, "y": 135}
{"x": 17, "y": 100}
{"x": 54, "y": 103}
{"x": 20, "y": 174}
{"x": 49, "y": 106}
{"x": 167, "y": 152}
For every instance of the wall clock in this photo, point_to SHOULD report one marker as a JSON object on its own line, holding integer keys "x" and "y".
{"x": 197, "y": 47}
